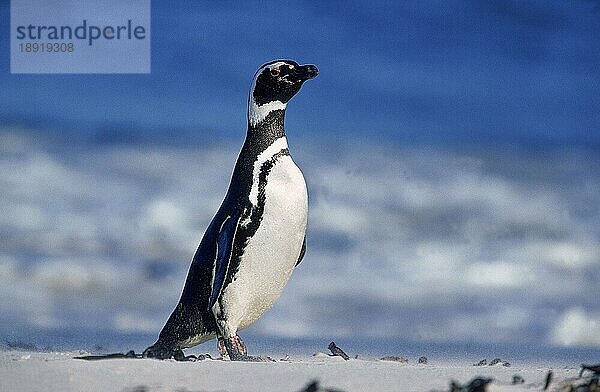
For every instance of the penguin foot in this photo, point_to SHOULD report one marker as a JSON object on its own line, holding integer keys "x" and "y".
{"x": 159, "y": 351}
{"x": 235, "y": 347}
{"x": 162, "y": 351}
{"x": 236, "y": 350}
{"x": 222, "y": 349}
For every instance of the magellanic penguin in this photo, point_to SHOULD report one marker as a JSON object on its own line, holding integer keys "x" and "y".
{"x": 257, "y": 236}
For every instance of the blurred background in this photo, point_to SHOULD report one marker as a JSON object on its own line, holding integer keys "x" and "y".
{"x": 451, "y": 151}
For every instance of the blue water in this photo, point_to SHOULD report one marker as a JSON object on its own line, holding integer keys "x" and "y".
{"x": 518, "y": 72}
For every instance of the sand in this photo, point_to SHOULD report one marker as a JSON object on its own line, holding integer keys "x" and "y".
{"x": 58, "y": 371}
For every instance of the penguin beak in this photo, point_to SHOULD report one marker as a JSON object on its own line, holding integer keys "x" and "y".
{"x": 305, "y": 72}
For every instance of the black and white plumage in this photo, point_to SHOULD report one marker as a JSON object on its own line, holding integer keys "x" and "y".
{"x": 257, "y": 236}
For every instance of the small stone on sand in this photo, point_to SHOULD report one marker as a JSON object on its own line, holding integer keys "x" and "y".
{"x": 394, "y": 358}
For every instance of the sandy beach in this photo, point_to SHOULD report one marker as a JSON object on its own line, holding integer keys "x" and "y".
{"x": 59, "y": 371}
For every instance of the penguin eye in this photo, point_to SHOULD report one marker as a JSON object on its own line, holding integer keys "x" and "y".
{"x": 275, "y": 71}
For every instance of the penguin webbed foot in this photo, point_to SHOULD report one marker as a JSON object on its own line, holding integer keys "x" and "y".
{"x": 236, "y": 350}
{"x": 162, "y": 351}
{"x": 159, "y": 351}
{"x": 178, "y": 355}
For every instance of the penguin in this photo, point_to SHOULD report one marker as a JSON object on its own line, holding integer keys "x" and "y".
{"x": 258, "y": 235}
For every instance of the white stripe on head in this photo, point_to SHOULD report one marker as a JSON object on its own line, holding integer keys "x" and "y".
{"x": 258, "y": 113}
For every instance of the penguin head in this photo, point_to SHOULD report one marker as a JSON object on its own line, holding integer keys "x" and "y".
{"x": 280, "y": 80}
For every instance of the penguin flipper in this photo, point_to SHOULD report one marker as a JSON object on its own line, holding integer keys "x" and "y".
{"x": 225, "y": 241}
{"x": 302, "y": 252}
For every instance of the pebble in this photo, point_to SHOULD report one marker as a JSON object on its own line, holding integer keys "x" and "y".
{"x": 394, "y": 358}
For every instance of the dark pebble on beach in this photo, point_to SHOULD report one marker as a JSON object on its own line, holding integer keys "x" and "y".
{"x": 394, "y": 358}
{"x": 588, "y": 380}
{"x": 336, "y": 351}
{"x": 517, "y": 379}
{"x": 592, "y": 368}
{"x": 548, "y": 380}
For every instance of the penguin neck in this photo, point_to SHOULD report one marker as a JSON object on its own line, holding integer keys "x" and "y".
{"x": 259, "y": 110}
{"x": 269, "y": 128}
{"x": 262, "y": 135}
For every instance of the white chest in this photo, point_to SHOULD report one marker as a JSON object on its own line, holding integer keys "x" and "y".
{"x": 272, "y": 253}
